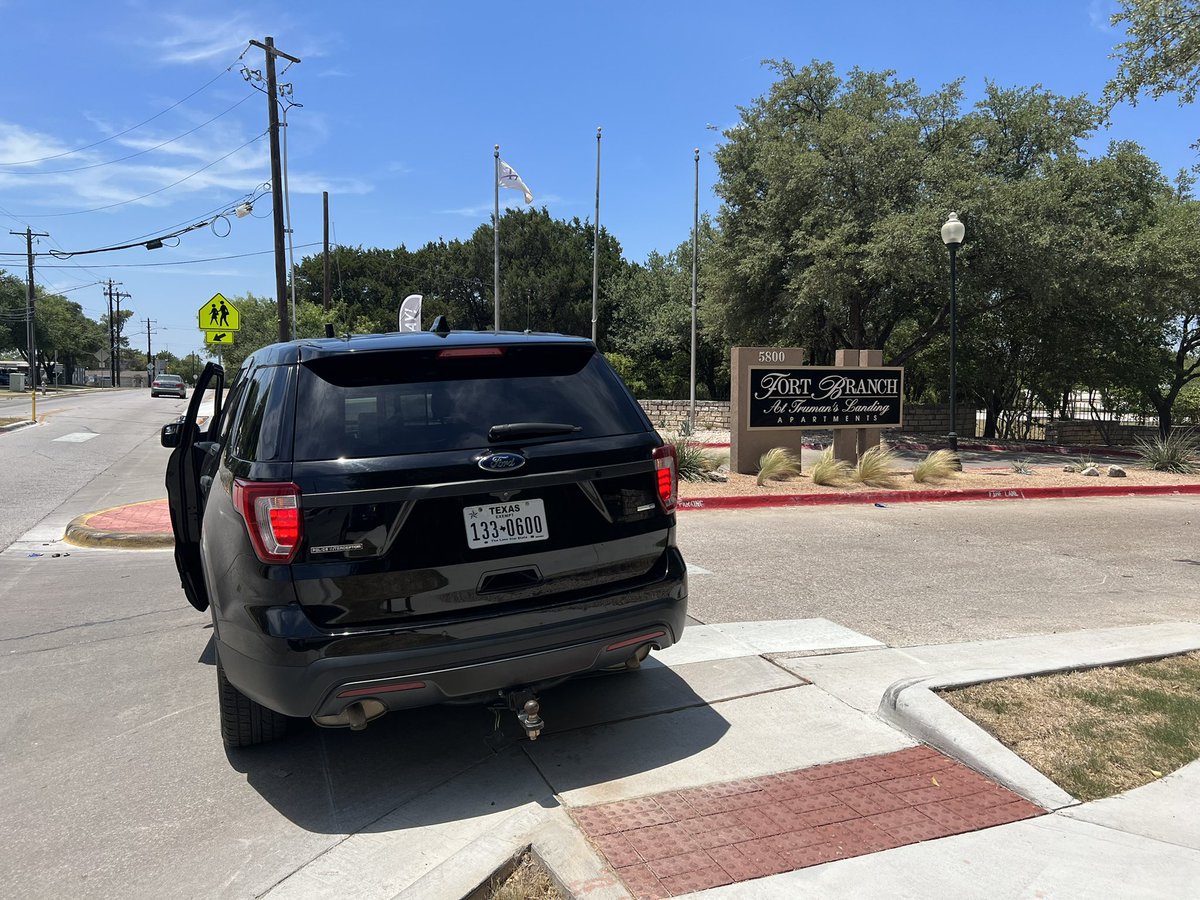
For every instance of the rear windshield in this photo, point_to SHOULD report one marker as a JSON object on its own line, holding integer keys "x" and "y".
{"x": 169, "y": 378}
{"x": 387, "y": 403}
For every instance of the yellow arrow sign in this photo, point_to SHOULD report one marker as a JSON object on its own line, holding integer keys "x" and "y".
{"x": 218, "y": 314}
{"x": 218, "y": 337}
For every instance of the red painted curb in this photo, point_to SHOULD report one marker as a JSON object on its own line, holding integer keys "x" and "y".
{"x": 1033, "y": 493}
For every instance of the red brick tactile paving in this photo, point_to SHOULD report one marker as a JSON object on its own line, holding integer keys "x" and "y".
{"x": 150, "y": 517}
{"x": 694, "y": 839}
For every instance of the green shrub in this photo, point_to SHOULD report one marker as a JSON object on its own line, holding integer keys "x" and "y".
{"x": 1177, "y": 452}
{"x": 1022, "y": 467}
{"x": 1079, "y": 464}
{"x": 937, "y": 466}
{"x": 828, "y": 470}
{"x": 691, "y": 462}
{"x": 778, "y": 464}
{"x": 876, "y": 467}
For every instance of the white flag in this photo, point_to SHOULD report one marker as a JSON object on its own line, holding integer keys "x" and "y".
{"x": 410, "y": 313}
{"x": 510, "y": 179}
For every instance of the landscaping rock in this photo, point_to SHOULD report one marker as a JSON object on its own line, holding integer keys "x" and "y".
{"x": 1091, "y": 471}
{"x": 1116, "y": 472}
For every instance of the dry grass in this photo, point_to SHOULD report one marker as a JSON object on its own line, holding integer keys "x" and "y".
{"x": 828, "y": 470}
{"x": 778, "y": 464}
{"x": 11, "y": 420}
{"x": 939, "y": 465}
{"x": 528, "y": 881}
{"x": 1097, "y": 732}
{"x": 877, "y": 467}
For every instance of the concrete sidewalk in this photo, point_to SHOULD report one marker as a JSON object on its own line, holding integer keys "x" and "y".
{"x": 765, "y": 759}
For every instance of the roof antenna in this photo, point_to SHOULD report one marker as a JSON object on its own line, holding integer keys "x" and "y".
{"x": 440, "y": 326}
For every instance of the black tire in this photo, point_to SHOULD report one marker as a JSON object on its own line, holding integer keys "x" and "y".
{"x": 245, "y": 723}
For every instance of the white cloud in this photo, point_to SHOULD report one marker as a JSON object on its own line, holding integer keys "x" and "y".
{"x": 1100, "y": 13}
{"x": 194, "y": 39}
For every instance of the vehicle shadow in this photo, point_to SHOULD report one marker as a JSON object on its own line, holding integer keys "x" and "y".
{"x": 333, "y": 781}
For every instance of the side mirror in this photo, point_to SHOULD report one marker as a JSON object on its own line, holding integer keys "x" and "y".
{"x": 169, "y": 437}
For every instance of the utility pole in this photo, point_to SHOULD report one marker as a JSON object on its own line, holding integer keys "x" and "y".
{"x": 114, "y": 330}
{"x": 151, "y": 369}
{"x": 325, "y": 216}
{"x": 112, "y": 335}
{"x": 31, "y": 349}
{"x": 268, "y": 47}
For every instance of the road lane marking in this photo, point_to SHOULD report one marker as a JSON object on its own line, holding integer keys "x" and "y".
{"x": 77, "y": 437}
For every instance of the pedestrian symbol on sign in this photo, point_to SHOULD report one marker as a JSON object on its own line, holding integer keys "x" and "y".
{"x": 218, "y": 314}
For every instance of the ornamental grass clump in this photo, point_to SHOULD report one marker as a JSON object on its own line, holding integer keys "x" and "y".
{"x": 1178, "y": 452}
{"x": 691, "y": 462}
{"x": 876, "y": 467}
{"x": 828, "y": 470}
{"x": 937, "y": 466}
{"x": 777, "y": 464}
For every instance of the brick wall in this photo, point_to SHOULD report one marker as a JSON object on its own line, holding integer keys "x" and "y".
{"x": 1075, "y": 432}
{"x": 670, "y": 415}
{"x": 935, "y": 419}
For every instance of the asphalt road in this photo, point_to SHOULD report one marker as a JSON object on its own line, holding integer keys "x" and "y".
{"x": 105, "y": 439}
{"x": 918, "y": 573}
{"x": 116, "y": 783}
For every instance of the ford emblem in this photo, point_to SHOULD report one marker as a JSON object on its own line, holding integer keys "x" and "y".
{"x": 501, "y": 462}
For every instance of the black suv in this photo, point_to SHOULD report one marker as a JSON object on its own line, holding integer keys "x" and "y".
{"x": 383, "y": 522}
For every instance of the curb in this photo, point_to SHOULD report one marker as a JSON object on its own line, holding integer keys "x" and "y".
{"x": 884, "y": 497}
{"x": 16, "y": 426}
{"x": 913, "y": 706}
{"x": 81, "y": 534}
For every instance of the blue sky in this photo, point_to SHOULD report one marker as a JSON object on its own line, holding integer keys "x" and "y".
{"x": 402, "y": 103}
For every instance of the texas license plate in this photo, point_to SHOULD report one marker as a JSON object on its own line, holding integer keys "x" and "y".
{"x": 515, "y": 522}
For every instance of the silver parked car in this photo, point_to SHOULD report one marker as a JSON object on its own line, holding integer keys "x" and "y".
{"x": 168, "y": 384}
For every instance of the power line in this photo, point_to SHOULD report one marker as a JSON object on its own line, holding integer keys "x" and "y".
{"x": 182, "y": 262}
{"x": 80, "y": 212}
{"x": 131, "y": 155}
{"x": 26, "y": 162}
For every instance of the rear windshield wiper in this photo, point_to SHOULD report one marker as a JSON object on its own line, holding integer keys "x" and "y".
{"x": 514, "y": 431}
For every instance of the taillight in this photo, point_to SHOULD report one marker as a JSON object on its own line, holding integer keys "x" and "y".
{"x": 665, "y": 472}
{"x": 273, "y": 517}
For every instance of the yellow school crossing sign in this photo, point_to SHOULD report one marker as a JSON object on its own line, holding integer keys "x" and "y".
{"x": 218, "y": 315}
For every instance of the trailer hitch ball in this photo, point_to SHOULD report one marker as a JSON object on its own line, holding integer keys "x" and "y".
{"x": 530, "y": 720}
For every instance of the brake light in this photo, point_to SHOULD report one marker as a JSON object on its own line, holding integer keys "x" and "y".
{"x": 666, "y": 474}
{"x": 273, "y": 517}
{"x": 461, "y": 352}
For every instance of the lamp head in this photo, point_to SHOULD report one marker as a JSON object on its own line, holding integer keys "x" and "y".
{"x": 953, "y": 231}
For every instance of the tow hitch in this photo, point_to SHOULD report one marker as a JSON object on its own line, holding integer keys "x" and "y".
{"x": 525, "y": 704}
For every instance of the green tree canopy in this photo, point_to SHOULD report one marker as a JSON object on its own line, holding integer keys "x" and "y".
{"x": 1161, "y": 51}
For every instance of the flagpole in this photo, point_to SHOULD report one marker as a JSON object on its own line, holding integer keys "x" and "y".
{"x": 695, "y": 256}
{"x": 596, "y": 240}
{"x": 496, "y": 238}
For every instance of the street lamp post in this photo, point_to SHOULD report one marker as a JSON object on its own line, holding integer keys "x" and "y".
{"x": 952, "y": 236}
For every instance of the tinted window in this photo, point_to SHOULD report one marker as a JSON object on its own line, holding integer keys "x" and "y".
{"x": 260, "y": 422}
{"x": 384, "y": 403}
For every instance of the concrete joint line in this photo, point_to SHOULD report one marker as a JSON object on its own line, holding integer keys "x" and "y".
{"x": 914, "y": 707}
{"x": 549, "y": 835}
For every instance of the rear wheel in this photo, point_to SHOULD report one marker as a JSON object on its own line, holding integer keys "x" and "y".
{"x": 245, "y": 723}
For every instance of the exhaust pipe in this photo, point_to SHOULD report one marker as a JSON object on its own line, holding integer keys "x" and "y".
{"x": 356, "y": 716}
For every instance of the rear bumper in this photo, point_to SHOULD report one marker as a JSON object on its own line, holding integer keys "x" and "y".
{"x": 406, "y": 670}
